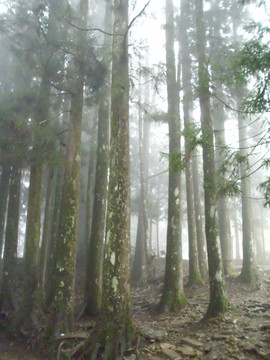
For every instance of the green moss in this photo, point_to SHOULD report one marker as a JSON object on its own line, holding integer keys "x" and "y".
{"x": 172, "y": 302}
{"x": 195, "y": 279}
{"x": 249, "y": 275}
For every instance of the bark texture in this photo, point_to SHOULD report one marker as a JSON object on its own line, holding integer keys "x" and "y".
{"x": 11, "y": 241}
{"x": 173, "y": 298}
{"x": 218, "y": 294}
{"x": 194, "y": 270}
{"x": 93, "y": 288}
{"x": 113, "y": 332}
{"x": 249, "y": 272}
{"x": 62, "y": 312}
{"x": 4, "y": 188}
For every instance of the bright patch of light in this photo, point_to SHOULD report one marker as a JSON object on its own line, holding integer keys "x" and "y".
{"x": 206, "y": 6}
{"x": 3, "y": 8}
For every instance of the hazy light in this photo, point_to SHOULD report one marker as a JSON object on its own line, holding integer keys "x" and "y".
{"x": 3, "y": 8}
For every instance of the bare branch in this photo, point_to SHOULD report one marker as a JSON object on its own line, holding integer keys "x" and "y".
{"x": 92, "y": 29}
{"x": 54, "y": 117}
{"x": 137, "y": 16}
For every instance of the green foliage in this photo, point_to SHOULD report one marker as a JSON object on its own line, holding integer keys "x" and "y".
{"x": 265, "y": 188}
{"x": 252, "y": 62}
{"x": 193, "y": 136}
{"x": 156, "y": 74}
{"x": 231, "y": 161}
{"x": 176, "y": 161}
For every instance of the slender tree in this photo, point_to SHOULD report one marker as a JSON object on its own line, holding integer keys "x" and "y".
{"x": 93, "y": 288}
{"x": 249, "y": 272}
{"x": 194, "y": 271}
{"x": 47, "y": 223}
{"x": 218, "y": 295}
{"x": 173, "y": 298}
{"x": 4, "y": 187}
{"x": 139, "y": 268}
{"x": 7, "y": 301}
{"x": 200, "y": 226}
{"x": 63, "y": 302}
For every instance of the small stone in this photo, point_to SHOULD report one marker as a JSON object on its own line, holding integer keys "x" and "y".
{"x": 154, "y": 334}
{"x": 186, "y": 350}
{"x": 192, "y": 342}
{"x": 171, "y": 354}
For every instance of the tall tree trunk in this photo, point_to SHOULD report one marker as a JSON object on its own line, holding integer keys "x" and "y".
{"x": 249, "y": 272}
{"x": 219, "y": 116}
{"x": 47, "y": 224}
{"x": 173, "y": 298}
{"x": 113, "y": 332}
{"x": 139, "y": 269}
{"x": 8, "y": 288}
{"x": 200, "y": 227}
{"x": 218, "y": 295}
{"x": 53, "y": 247}
{"x": 32, "y": 238}
{"x": 194, "y": 270}
{"x": 4, "y": 187}
{"x": 93, "y": 288}
{"x": 237, "y": 239}
{"x": 158, "y": 247}
{"x": 222, "y": 203}
{"x": 62, "y": 318}
{"x": 91, "y": 179}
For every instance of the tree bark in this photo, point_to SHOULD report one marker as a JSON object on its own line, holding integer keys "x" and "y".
{"x": 222, "y": 203}
{"x": 47, "y": 223}
{"x": 200, "y": 226}
{"x": 249, "y": 272}
{"x": 173, "y": 298}
{"x": 139, "y": 269}
{"x": 194, "y": 270}
{"x": 4, "y": 187}
{"x": 93, "y": 289}
{"x": 113, "y": 332}
{"x": 62, "y": 312}
{"x": 8, "y": 288}
{"x": 218, "y": 295}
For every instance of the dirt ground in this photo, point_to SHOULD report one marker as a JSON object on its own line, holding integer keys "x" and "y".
{"x": 242, "y": 333}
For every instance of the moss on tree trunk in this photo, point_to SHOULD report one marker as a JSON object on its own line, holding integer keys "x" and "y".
{"x": 93, "y": 286}
{"x": 114, "y": 331}
{"x": 218, "y": 295}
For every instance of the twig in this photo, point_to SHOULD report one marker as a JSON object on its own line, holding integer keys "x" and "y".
{"x": 92, "y": 29}
{"x": 58, "y": 356}
{"x": 137, "y": 16}
{"x": 160, "y": 173}
{"x": 54, "y": 117}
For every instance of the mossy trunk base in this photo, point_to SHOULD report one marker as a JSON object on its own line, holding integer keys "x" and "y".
{"x": 218, "y": 300}
{"x": 107, "y": 341}
{"x": 249, "y": 275}
{"x": 195, "y": 279}
{"x": 172, "y": 302}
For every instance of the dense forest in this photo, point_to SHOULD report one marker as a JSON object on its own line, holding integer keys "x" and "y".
{"x": 134, "y": 179}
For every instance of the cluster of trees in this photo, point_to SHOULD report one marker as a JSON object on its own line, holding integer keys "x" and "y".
{"x": 66, "y": 76}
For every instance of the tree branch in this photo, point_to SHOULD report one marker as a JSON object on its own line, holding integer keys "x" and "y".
{"x": 137, "y": 16}
{"x": 54, "y": 117}
{"x": 92, "y": 29}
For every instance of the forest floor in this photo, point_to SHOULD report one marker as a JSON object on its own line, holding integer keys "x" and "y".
{"x": 242, "y": 333}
